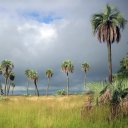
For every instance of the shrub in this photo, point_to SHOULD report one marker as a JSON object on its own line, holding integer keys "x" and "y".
{"x": 61, "y": 92}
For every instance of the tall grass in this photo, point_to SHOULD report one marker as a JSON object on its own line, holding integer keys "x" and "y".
{"x": 53, "y": 112}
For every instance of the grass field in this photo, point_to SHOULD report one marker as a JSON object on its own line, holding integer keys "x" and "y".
{"x": 53, "y": 112}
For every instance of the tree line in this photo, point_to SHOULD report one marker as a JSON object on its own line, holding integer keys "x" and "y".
{"x": 6, "y": 70}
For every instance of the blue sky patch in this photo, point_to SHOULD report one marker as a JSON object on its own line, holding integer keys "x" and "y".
{"x": 40, "y": 17}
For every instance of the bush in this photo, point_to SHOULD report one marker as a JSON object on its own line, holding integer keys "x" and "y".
{"x": 61, "y": 92}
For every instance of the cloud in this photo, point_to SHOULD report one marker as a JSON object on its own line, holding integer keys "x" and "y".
{"x": 41, "y": 34}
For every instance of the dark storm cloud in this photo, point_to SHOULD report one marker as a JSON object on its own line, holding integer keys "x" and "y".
{"x": 31, "y": 43}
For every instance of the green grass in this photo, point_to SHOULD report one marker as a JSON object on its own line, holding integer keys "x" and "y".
{"x": 53, "y": 112}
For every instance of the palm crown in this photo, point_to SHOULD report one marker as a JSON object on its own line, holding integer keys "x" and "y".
{"x": 107, "y": 25}
{"x": 67, "y": 66}
{"x": 6, "y": 66}
{"x": 49, "y": 73}
{"x": 85, "y": 67}
{"x": 31, "y": 74}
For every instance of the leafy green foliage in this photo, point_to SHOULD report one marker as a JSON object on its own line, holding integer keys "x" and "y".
{"x": 96, "y": 87}
{"x": 119, "y": 91}
{"x": 61, "y": 92}
{"x": 103, "y": 90}
{"x": 115, "y": 97}
{"x": 123, "y": 71}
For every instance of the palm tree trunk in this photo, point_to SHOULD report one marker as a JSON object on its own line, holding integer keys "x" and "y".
{"x": 5, "y": 90}
{"x": 27, "y": 87}
{"x": 48, "y": 86}
{"x": 85, "y": 82}
{"x": 0, "y": 88}
{"x": 12, "y": 90}
{"x": 36, "y": 87}
{"x": 67, "y": 84}
{"x": 8, "y": 88}
{"x": 109, "y": 61}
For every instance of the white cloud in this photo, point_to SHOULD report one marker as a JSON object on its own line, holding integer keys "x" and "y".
{"x": 34, "y": 34}
{"x": 47, "y": 32}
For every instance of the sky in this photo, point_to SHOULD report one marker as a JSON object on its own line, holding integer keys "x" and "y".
{"x": 41, "y": 34}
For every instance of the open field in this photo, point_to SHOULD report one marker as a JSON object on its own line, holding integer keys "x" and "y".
{"x": 52, "y": 112}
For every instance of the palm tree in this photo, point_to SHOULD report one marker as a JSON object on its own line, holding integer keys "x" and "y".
{"x": 33, "y": 75}
{"x": 6, "y": 67}
{"x": 11, "y": 78}
{"x": 28, "y": 77}
{"x": 85, "y": 67}
{"x": 49, "y": 74}
{"x": 67, "y": 67}
{"x": 107, "y": 26}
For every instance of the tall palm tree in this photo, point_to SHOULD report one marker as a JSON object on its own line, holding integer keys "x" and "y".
{"x": 49, "y": 74}
{"x": 33, "y": 75}
{"x": 107, "y": 26}
{"x": 6, "y": 66}
{"x": 11, "y": 78}
{"x": 85, "y": 67}
{"x": 67, "y": 67}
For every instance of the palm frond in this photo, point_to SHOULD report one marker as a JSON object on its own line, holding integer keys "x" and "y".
{"x": 67, "y": 66}
{"x": 118, "y": 34}
{"x": 49, "y": 73}
{"x": 107, "y": 25}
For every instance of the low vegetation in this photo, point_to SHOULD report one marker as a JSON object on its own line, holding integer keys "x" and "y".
{"x": 53, "y": 112}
